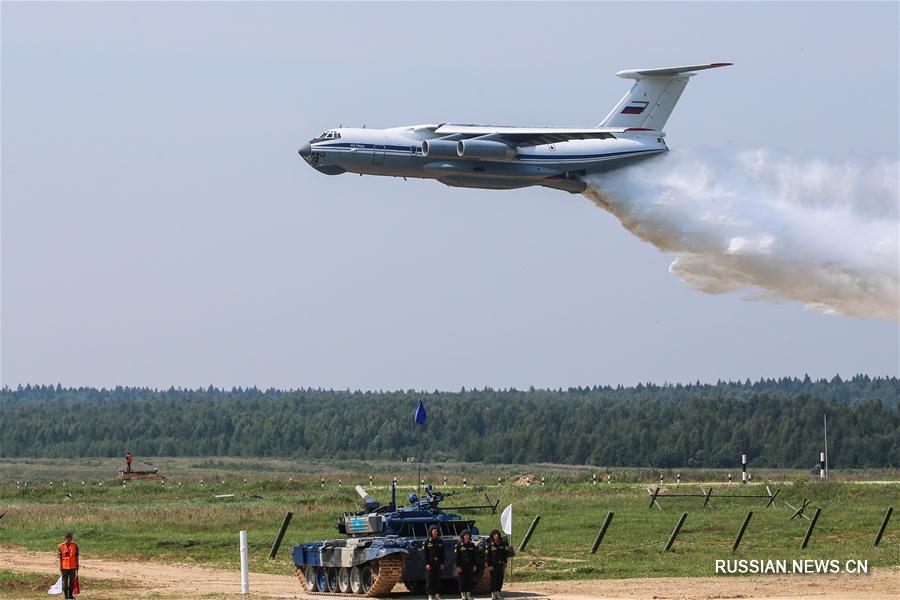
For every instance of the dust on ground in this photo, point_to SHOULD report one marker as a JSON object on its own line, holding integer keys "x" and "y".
{"x": 148, "y": 579}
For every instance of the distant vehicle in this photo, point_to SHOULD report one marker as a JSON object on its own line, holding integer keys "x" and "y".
{"x": 383, "y": 547}
{"x": 492, "y": 157}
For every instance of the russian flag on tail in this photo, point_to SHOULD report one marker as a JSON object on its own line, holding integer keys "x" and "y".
{"x": 634, "y": 108}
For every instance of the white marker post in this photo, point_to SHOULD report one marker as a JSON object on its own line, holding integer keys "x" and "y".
{"x": 245, "y": 575}
{"x": 743, "y": 468}
{"x": 821, "y": 465}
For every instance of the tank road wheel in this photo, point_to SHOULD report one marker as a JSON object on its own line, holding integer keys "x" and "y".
{"x": 344, "y": 580}
{"x": 300, "y": 571}
{"x": 321, "y": 580}
{"x": 356, "y": 580}
{"x": 331, "y": 574}
{"x": 309, "y": 577}
{"x": 367, "y": 578}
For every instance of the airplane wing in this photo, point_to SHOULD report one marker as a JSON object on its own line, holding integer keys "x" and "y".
{"x": 527, "y": 136}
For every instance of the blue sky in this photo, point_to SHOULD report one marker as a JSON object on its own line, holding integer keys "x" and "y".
{"x": 158, "y": 227}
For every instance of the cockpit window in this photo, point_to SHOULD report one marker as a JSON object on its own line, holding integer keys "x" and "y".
{"x": 326, "y": 135}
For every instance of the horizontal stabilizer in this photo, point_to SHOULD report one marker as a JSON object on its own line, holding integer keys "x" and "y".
{"x": 668, "y": 71}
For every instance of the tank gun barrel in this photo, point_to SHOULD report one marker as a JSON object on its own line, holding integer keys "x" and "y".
{"x": 371, "y": 503}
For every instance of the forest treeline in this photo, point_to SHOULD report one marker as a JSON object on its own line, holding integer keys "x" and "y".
{"x": 777, "y": 422}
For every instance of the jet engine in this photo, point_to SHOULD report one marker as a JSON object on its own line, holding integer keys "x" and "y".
{"x": 439, "y": 149}
{"x": 484, "y": 149}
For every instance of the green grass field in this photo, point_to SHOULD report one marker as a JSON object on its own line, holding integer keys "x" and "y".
{"x": 186, "y": 523}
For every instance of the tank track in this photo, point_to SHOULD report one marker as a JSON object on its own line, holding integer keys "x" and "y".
{"x": 390, "y": 573}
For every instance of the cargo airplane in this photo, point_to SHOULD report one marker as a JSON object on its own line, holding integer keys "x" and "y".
{"x": 503, "y": 158}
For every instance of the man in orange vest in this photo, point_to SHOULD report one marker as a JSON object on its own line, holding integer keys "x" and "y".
{"x": 128, "y": 461}
{"x": 68, "y": 565}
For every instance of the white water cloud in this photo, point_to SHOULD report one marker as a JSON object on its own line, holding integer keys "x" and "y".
{"x": 815, "y": 232}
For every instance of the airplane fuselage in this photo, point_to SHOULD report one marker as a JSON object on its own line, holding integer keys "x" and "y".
{"x": 428, "y": 151}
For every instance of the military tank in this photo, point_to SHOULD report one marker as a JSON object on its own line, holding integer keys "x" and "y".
{"x": 383, "y": 547}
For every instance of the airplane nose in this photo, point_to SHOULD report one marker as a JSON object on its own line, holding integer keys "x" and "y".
{"x": 305, "y": 150}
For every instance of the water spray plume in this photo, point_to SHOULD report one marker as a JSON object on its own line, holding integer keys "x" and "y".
{"x": 819, "y": 233}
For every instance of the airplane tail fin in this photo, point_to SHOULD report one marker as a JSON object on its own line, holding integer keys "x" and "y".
{"x": 653, "y": 96}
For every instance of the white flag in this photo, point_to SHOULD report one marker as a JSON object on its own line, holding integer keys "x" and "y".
{"x": 57, "y": 587}
{"x": 506, "y": 520}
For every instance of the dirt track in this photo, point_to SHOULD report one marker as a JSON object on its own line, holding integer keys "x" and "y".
{"x": 188, "y": 581}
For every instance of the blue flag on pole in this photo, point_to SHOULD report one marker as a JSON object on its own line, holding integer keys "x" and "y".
{"x": 420, "y": 413}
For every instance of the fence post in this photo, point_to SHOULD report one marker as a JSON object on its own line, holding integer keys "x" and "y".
{"x": 812, "y": 525}
{"x": 528, "y": 533}
{"x": 675, "y": 532}
{"x": 740, "y": 535}
{"x": 278, "y": 538}
{"x": 884, "y": 523}
{"x": 602, "y": 532}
